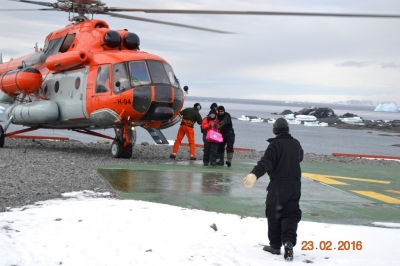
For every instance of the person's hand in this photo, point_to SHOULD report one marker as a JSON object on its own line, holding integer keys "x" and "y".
{"x": 218, "y": 126}
{"x": 249, "y": 180}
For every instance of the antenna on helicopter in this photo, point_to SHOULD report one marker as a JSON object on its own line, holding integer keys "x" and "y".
{"x": 36, "y": 48}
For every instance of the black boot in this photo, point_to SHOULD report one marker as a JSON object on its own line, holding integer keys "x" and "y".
{"x": 221, "y": 158}
{"x": 229, "y": 157}
{"x": 288, "y": 251}
{"x": 272, "y": 250}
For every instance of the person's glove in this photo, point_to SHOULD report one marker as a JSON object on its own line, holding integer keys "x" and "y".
{"x": 249, "y": 180}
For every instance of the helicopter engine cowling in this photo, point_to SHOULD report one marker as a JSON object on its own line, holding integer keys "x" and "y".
{"x": 66, "y": 61}
{"x": 112, "y": 40}
{"x": 26, "y": 80}
{"x": 130, "y": 41}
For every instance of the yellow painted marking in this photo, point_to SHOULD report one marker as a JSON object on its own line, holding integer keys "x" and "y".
{"x": 361, "y": 179}
{"x": 323, "y": 179}
{"x": 393, "y": 191}
{"x": 377, "y": 196}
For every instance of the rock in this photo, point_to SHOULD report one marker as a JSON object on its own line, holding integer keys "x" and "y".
{"x": 318, "y": 112}
{"x": 286, "y": 112}
{"x": 214, "y": 226}
{"x": 348, "y": 115}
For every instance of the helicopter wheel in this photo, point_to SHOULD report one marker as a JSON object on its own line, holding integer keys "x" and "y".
{"x": 128, "y": 153}
{"x": 132, "y": 136}
{"x": 2, "y": 137}
{"x": 117, "y": 149}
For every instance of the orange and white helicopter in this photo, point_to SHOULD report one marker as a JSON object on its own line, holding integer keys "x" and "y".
{"x": 90, "y": 77}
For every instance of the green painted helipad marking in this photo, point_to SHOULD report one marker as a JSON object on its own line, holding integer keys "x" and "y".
{"x": 378, "y": 196}
{"x": 189, "y": 184}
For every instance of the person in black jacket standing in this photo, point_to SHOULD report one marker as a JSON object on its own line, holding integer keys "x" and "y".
{"x": 227, "y": 132}
{"x": 281, "y": 161}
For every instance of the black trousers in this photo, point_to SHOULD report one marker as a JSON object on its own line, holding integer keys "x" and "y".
{"x": 229, "y": 140}
{"x": 283, "y": 211}
{"x": 210, "y": 151}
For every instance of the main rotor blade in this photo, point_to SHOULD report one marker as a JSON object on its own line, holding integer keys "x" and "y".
{"x": 40, "y": 9}
{"x": 259, "y": 13}
{"x": 166, "y": 23}
{"x": 35, "y": 2}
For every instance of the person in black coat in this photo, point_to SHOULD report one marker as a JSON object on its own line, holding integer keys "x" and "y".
{"x": 226, "y": 129}
{"x": 281, "y": 161}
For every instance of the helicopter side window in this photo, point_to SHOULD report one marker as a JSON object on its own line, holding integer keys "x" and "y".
{"x": 174, "y": 81}
{"x": 139, "y": 73}
{"x": 69, "y": 39}
{"x": 157, "y": 72}
{"x": 120, "y": 75}
{"x": 103, "y": 79}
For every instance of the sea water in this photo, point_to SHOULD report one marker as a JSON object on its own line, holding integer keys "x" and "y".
{"x": 320, "y": 140}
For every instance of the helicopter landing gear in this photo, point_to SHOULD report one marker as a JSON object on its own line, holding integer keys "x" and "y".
{"x": 125, "y": 139}
{"x": 2, "y": 136}
{"x": 116, "y": 149}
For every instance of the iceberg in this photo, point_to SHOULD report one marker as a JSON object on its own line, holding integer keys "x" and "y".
{"x": 387, "y": 107}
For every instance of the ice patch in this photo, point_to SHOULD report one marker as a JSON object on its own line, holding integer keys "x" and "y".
{"x": 392, "y": 225}
{"x": 85, "y": 194}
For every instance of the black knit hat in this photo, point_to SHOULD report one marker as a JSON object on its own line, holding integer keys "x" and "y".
{"x": 197, "y": 106}
{"x": 213, "y": 105}
{"x": 212, "y": 111}
{"x": 221, "y": 108}
{"x": 280, "y": 126}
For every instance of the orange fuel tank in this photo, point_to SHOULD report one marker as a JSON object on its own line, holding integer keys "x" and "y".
{"x": 66, "y": 61}
{"x": 27, "y": 80}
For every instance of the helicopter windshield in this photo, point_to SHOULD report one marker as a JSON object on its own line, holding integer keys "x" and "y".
{"x": 171, "y": 75}
{"x": 157, "y": 72}
{"x": 142, "y": 73}
{"x": 139, "y": 73}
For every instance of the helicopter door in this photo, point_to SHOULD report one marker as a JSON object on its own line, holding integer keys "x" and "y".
{"x": 102, "y": 89}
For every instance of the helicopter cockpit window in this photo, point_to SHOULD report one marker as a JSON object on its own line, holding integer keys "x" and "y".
{"x": 139, "y": 73}
{"x": 157, "y": 72}
{"x": 69, "y": 39}
{"x": 174, "y": 81}
{"x": 120, "y": 75}
{"x": 103, "y": 79}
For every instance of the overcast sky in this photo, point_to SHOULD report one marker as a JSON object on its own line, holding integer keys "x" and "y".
{"x": 272, "y": 58}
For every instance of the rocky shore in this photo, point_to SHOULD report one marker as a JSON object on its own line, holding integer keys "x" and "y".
{"x": 36, "y": 170}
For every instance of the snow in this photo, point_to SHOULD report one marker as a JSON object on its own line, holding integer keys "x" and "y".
{"x": 86, "y": 228}
{"x": 387, "y": 107}
{"x": 394, "y": 225}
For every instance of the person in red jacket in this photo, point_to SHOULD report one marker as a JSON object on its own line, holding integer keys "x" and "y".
{"x": 210, "y": 154}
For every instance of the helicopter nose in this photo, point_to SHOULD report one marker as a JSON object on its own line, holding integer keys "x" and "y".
{"x": 159, "y": 113}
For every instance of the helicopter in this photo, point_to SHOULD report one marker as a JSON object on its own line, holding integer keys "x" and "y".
{"x": 88, "y": 77}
